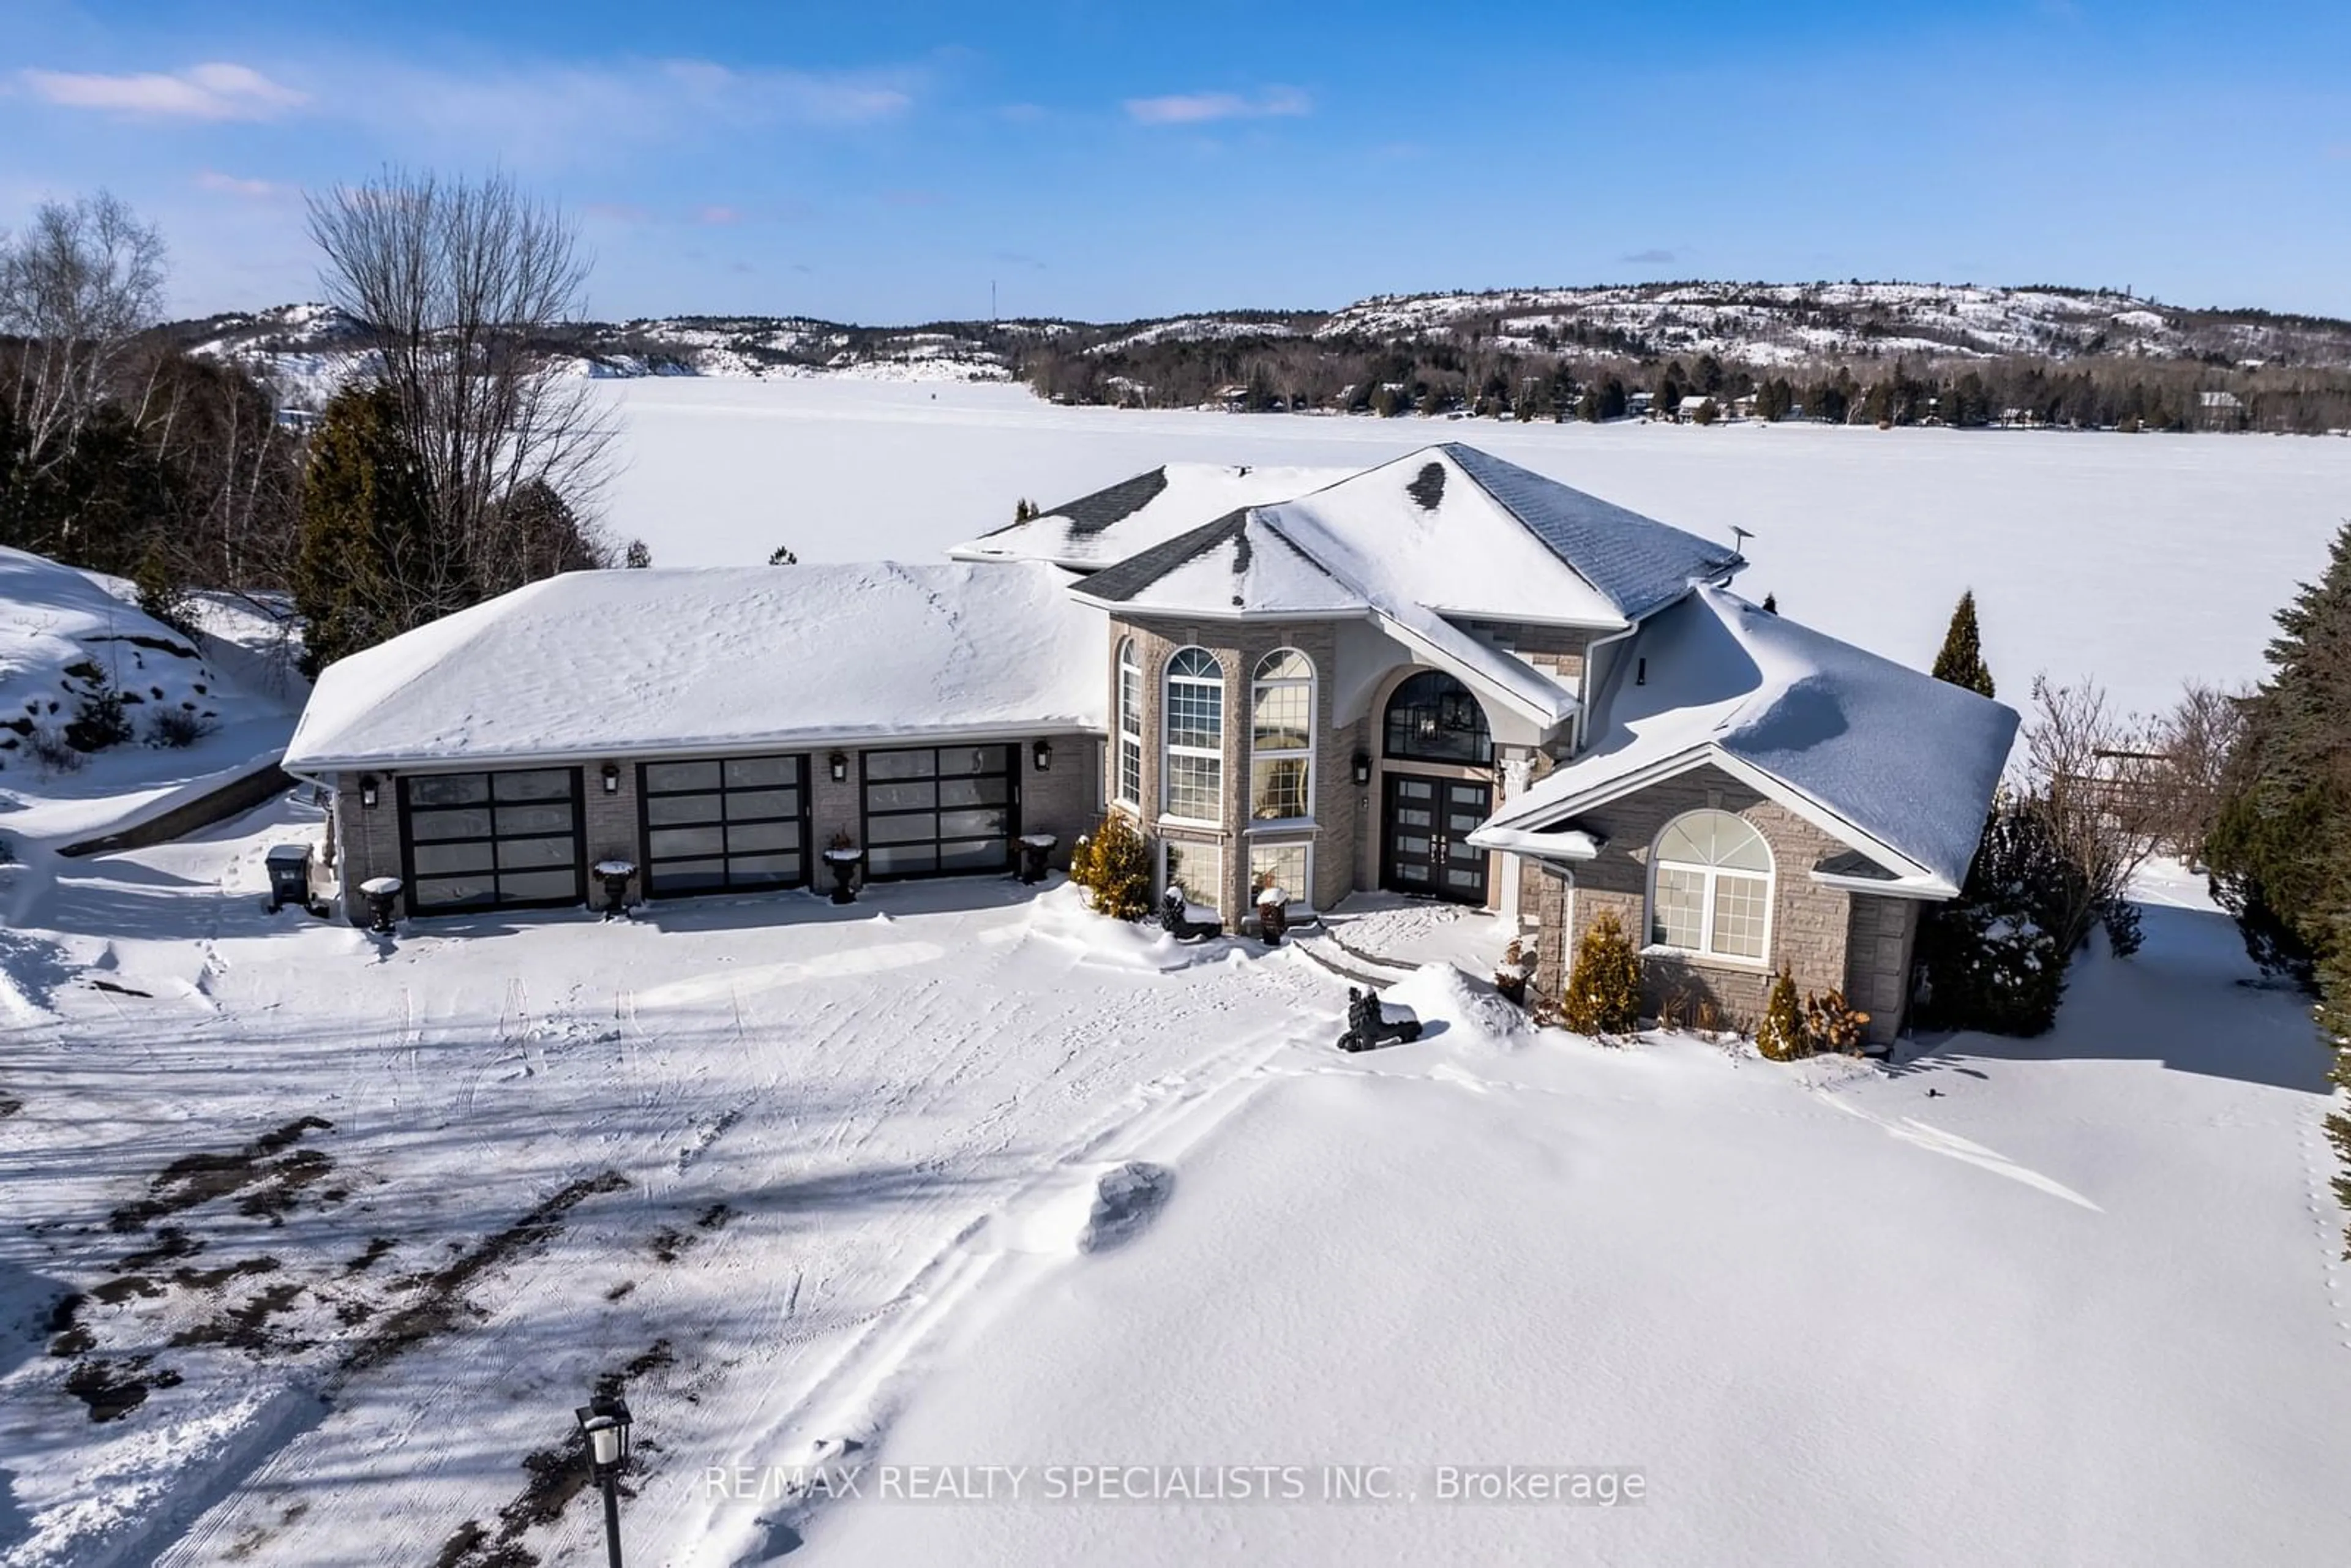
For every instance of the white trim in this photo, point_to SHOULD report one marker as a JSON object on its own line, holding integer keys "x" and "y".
{"x": 1574, "y": 846}
{"x": 1169, "y": 750}
{"x": 1708, "y": 754}
{"x": 1301, "y": 897}
{"x": 1710, "y": 875}
{"x": 735, "y": 746}
{"x": 1275, "y": 826}
{"x": 1128, "y": 659}
{"x": 1258, "y": 682}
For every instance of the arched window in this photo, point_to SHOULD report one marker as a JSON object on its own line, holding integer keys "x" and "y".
{"x": 1129, "y": 724}
{"x": 1434, "y": 718}
{"x": 1194, "y": 789}
{"x": 1282, "y": 737}
{"x": 1711, "y": 887}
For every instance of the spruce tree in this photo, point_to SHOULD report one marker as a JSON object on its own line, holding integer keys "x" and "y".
{"x": 364, "y": 569}
{"x": 1961, "y": 660}
{"x": 1770, "y": 604}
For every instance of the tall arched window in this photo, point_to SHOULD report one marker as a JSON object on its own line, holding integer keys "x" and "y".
{"x": 1711, "y": 887}
{"x": 1194, "y": 787}
{"x": 1282, "y": 737}
{"x": 1129, "y": 724}
{"x": 1434, "y": 718}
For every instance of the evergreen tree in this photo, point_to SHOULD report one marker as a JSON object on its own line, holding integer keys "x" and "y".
{"x": 1770, "y": 604}
{"x": 1961, "y": 660}
{"x": 638, "y": 556}
{"x": 1602, "y": 996}
{"x": 1780, "y": 1034}
{"x": 364, "y": 569}
{"x": 782, "y": 556}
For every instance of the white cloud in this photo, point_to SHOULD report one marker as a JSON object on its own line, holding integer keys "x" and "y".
{"x": 1194, "y": 107}
{"x": 217, "y": 90}
{"x": 231, "y": 185}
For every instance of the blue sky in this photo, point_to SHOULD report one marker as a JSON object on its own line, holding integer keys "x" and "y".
{"x": 886, "y": 163}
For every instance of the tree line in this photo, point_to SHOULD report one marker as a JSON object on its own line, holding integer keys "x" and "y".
{"x": 1291, "y": 371}
{"x": 456, "y": 460}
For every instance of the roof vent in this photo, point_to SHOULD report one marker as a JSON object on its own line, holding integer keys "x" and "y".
{"x": 1427, "y": 486}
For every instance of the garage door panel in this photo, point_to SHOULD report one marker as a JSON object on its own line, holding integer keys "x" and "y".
{"x": 736, "y": 822}
{"x": 945, "y": 810}
{"x": 483, "y": 840}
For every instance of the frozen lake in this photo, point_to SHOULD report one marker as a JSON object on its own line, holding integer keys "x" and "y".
{"x": 2144, "y": 559}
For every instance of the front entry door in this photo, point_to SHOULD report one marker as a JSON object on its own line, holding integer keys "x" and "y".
{"x": 1425, "y": 837}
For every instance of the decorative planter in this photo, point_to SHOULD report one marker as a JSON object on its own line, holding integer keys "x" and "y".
{"x": 383, "y": 894}
{"x": 615, "y": 875}
{"x": 843, "y": 864}
{"x": 1272, "y": 915}
{"x": 1034, "y": 848}
{"x": 1510, "y": 980}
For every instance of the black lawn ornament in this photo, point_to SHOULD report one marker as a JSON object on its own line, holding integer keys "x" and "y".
{"x": 1372, "y": 1024}
{"x": 1178, "y": 924}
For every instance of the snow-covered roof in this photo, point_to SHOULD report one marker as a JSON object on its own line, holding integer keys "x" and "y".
{"x": 1269, "y": 561}
{"x": 1139, "y": 513}
{"x": 1894, "y": 763}
{"x": 604, "y": 664}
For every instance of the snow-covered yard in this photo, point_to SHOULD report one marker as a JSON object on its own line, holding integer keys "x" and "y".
{"x": 823, "y": 1184}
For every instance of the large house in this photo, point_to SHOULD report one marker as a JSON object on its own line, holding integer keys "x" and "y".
{"x": 1444, "y": 675}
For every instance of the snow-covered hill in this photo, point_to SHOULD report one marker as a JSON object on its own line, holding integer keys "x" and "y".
{"x": 307, "y": 348}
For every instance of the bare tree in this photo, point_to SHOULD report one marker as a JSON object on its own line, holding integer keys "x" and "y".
{"x": 2094, "y": 779}
{"x": 461, "y": 286}
{"x": 76, "y": 287}
{"x": 2194, "y": 741}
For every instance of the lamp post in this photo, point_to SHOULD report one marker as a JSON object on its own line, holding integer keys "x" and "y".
{"x": 604, "y": 1424}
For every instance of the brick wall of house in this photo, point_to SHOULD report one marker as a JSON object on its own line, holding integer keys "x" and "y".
{"x": 610, "y": 821}
{"x": 1880, "y": 941}
{"x": 367, "y": 839}
{"x": 1556, "y": 650}
{"x": 1064, "y": 800}
{"x": 1809, "y": 924}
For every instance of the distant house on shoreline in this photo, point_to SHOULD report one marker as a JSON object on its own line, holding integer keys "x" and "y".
{"x": 1445, "y": 675}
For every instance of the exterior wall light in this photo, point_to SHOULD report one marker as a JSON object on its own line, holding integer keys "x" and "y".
{"x": 1363, "y": 768}
{"x": 368, "y": 790}
{"x": 1042, "y": 754}
{"x": 839, "y": 762}
{"x": 612, "y": 778}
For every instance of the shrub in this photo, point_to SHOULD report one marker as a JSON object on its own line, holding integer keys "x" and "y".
{"x": 177, "y": 727}
{"x": 1831, "y": 1024}
{"x": 1602, "y": 995}
{"x": 99, "y": 718}
{"x": 1781, "y": 1035}
{"x": 1992, "y": 957}
{"x": 50, "y": 750}
{"x": 1113, "y": 863}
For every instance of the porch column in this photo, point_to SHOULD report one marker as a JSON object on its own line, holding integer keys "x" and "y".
{"x": 1512, "y": 776}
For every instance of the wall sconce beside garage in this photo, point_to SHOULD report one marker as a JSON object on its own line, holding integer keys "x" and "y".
{"x": 612, "y": 778}
{"x": 1042, "y": 754}
{"x": 839, "y": 764}
{"x": 368, "y": 790}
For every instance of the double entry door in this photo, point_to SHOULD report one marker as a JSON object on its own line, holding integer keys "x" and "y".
{"x": 1424, "y": 826}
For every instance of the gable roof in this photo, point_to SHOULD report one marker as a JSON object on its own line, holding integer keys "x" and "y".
{"x": 1138, "y": 513}
{"x": 1894, "y": 763}
{"x": 596, "y": 664}
{"x": 1235, "y": 565}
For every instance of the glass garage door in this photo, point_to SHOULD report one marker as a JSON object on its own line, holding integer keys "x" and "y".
{"x": 938, "y": 811}
{"x": 724, "y": 825}
{"x": 478, "y": 841}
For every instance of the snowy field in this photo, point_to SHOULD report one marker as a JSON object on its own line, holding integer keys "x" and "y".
{"x": 2141, "y": 559}
{"x": 963, "y": 1177}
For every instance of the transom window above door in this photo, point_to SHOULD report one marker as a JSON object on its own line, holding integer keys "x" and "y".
{"x": 1433, "y": 717}
{"x": 1711, "y": 887}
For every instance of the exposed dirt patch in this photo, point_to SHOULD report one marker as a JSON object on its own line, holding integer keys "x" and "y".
{"x": 171, "y": 1241}
{"x": 10, "y": 1105}
{"x": 376, "y": 1248}
{"x": 248, "y": 1327}
{"x": 620, "y": 1291}
{"x": 116, "y": 1292}
{"x": 443, "y": 1289}
{"x": 282, "y": 1188}
{"x": 194, "y": 1179}
{"x": 214, "y": 1279}
{"x": 113, "y": 1389}
{"x": 98, "y": 985}
{"x": 252, "y": 1538}
{"x": 669, "y": 1242}
{"x": 71, "y": 1337}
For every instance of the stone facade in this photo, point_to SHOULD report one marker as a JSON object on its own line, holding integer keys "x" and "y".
{"x": 1237, "y": 647}
{"x": 1811, "y": 926}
